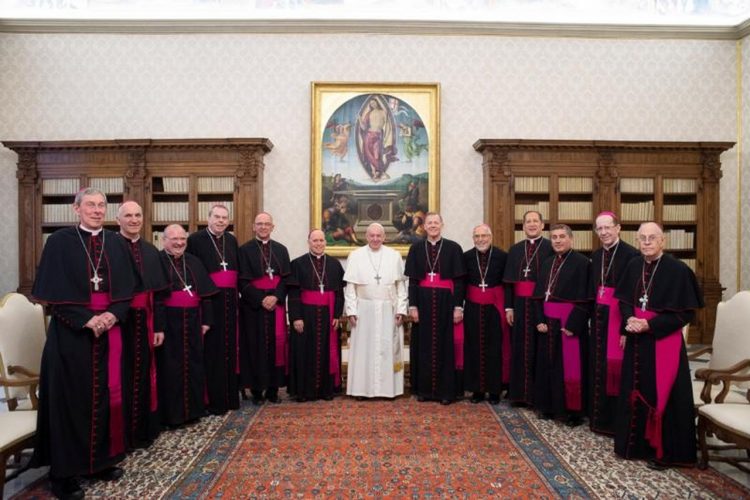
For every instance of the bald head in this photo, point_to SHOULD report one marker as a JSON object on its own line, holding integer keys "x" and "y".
{"x": 130, "y": 219}
{"x": 651, "y": 241}
{"x": 175, "y": 240}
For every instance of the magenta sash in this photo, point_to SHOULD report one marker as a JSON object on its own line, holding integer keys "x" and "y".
{"x": 228, "y": 279}
{"x": 523, "y": 288}
{"x": 266, "y": 283}
{"x": 182, "y": 299}
{"x": 458, "y": 328}
{"x": 614, "y": 351}
{"x": 327, "y": 299}
{"x": 496, "y": 296}
{"x": 571, "y": 355}
{"x": 100, "y": 301}
{"x": 667, "y": 361}
{"x": 145, "y": 300}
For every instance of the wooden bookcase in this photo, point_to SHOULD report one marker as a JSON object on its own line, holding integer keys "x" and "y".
{"x": 673, "y": 183}
{"x": 175, "y": 181}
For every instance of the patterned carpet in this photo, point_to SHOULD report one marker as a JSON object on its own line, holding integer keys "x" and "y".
{"x": 354, "y": 449}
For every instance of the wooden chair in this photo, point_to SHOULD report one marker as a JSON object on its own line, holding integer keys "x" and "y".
{"x": 730, "y": 347}
{"x": 22, "y": 336}
{"x": 729, "y": 422}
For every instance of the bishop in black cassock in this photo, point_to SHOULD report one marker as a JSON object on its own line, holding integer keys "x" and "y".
{"x": 605, "y": 353}
{"x": 521, "y": 271}
{"x": 486, "y": 332}
{"x": 143, "y": 333}
{"x": 86, "y": 278}
{"x": 561, "y": 306}
{"x": 216, "y": 248}
{"x": 316, "y": 302}
{"x": 658, "y": 296}
{"x": 189, "y": 315}
{"x": 264, "y": 349}
{"x": 436, "y": 272}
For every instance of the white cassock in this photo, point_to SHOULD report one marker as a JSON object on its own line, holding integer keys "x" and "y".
{"x": 376, "y": 344}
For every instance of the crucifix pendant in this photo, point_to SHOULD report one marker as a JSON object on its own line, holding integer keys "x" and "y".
{"x": 643, "y": 300}
{"x": 321, "y": 286}
{"x": 546, "y": 295}
{"x": 96, "y": 280}
{"x": 601, "y": 291}
{"x": 223, "y": 264}
{"x": 269, "y": 270}
{"x": 187, "y": 289}
{"x": 483, "y": 286}
{"x": 431, "y": 275}
{"x": 377, "y": 278}
{"x": 526, "y": 271}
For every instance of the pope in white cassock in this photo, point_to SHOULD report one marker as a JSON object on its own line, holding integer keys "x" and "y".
{"x": 376, "y": 303}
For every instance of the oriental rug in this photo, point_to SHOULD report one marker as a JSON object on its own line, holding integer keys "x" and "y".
{"x": 354, "y": 449}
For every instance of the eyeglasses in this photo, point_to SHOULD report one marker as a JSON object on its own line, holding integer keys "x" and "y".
{"x": 650, "y": 238}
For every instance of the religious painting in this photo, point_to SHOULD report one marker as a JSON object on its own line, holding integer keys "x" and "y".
{"x": 375, "y": 152}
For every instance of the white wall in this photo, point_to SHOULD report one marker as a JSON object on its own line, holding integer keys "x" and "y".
{"x": 56, "y": 87}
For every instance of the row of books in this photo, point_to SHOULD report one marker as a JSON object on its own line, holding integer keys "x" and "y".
{"x": 540, "y": 206}
{"x": 215, "y": 184}
{"x": 170, "y": 211}
{"x": 532, "y": 184}
{"x": 61, "y": 186}
{"x": 582, "y": 240}
{"x": 637, "y": 211}
{"x": 175, "y": 184}
{"x": 637, "y": 185}
{"x": 677, "y": 239}
{"x": 690, "y": 263}
{"x": 56, "y": 213}
{"x": 679, "y": 212}
{"x": 108, "y": 185}
{"x": 576, "y": 184}
{"x": 575, "y": 210}
{"x": 678, "y": 186}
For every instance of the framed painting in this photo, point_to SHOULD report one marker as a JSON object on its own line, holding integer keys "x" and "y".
{"x": 375, "y": 152}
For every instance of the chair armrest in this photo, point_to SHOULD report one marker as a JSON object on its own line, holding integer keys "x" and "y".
{"x": 700, "y": 352}
{"x": 726, "y": 380}
{"x": 708, "y": 373}
{"x": 20, "y": 369}
{"x": 32, "y": 383}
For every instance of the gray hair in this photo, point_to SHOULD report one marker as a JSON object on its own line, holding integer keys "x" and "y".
{"x": 89, "y": 191}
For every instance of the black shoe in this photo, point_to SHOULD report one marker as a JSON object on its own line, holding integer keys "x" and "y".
{"x": 67, "y": 489}
{"x": 273, "y": 398}
{"x": 257, "y": 401}
{"x": 518, "y": 404}
{"x": 421, "y": 399}
{"x": 360, "y": 398}
{"x": 545, "y": 416}
{"x": 328, "y": 398}
{"x": 445, "y": 402}
{"x": 301, "y": 399}
{"x": 109, "y": 474}
{"x": 657, "y": 466}
{"x": 477, "y": 397}
{"x": 574, "y": 421}
{"x": 494, "y": 399}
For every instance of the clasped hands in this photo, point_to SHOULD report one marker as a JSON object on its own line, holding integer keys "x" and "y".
{"x": 636, "y": 325}
{"x": 543, "y": 328}
{"x": 101, "y": 323}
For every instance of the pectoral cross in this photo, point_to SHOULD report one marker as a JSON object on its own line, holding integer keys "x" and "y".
{"x": 96, "y": 280}
{"x": 377, "y": 278}
{"x": 223, "y": 264}
{"x": 526, "y": 271}
{"x": 483, "y": 286}
{"x": 643, "y": 300}
{"x": 321, "y": 286}
{"x": 431, "y": 275}
{"x": 187, "y": 289}
{"x": 601, "y": 291}
{"x": 269, "y": 270}
{"x": 546, "y": 295}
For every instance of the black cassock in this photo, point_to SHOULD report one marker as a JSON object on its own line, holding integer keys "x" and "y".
{"x": 220, "y": 344}
{"x": 180, "y": 373}
{"x": 519, "y": 286}
{"x": 315, "y": 354}
{"x": 435, "y": 369}
{"x": 485, "y": 357}
{"x": 605, "y": 354}
{"x": 80, "y": 428}
{"x": 560, "y": 363}
{"x": 650, "y": 423}
{"x": 139, "y": 356}
{"x": 264, "y": 348}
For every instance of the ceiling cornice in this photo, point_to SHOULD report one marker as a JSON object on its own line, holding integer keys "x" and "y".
{"x": 387, "y": 27}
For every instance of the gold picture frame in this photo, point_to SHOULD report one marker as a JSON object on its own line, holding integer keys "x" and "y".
{"x": 375, "y": 157}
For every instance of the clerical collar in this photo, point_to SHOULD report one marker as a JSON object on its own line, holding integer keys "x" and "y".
{"x": 317, "y": 256}
{"x": 91, "y": 231}
{"x": 433, "y": 243}
{"x": 563, "y": 255}
{"x": 613, "y": 245}
{"x": 214, "y": 234}
{"x": 654, "y": 261}
{"x": 131, "y": 240}
{"x": 263, "y": 242}
{"x": 533, "y": 240}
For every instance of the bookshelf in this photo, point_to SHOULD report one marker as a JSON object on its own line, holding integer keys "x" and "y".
{"x": 673, "y": 183}
{"x": 174, "y": 180}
